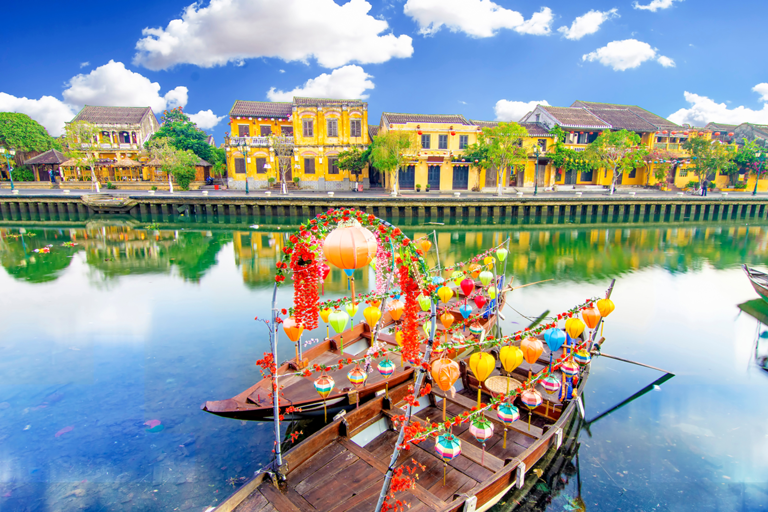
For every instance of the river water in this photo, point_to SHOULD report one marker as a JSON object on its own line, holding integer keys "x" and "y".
{"x": 108, "y": 348}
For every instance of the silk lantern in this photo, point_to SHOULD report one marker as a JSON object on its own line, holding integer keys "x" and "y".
{"x": 445, "y": 373}
{"x": 466, "y": 311}
{"x": 574, "y": 327}
{"x": 591, "y": 317}
{"x": 425, "y": 302}
{"x": 489, "y": 261}
{"x": 508, "y": 414}
{"x": 351, "y": 308}
{"x": 339, "y": 320}
{"x": 467, "y": 286}
{"x": 492, "y": 291}
{"x": 444, "y": 293}
{"x": 324, "y": 385}
{"x": 448, "y": 447}
{"x": 501, "y": 253}
{"x": 555, "y": 339}
{"x": 386, "y": 368}
{"x": 425, "y": 245}
{"x": 457, "y": 277}
{"x": 482, "y": 365}
{"x": 486, "y": 276}
{"x": 396, "y": 308}
{"x": 438, "y": 280}
{"x": 372, "y": 315}
{"x": 357, "y": 377}
{"x": 447, "y": 320}
{"x": 532, "y": 349}
{"x": 482, "y": 430}
{"x": 293, "y": 331}
{"x": 511, "y": 357}
{"x": 427, "y": 327}
{"x": 350, "y": 248}
{"x": 474, "y": 270}
{"x": 480, "y": 301}
{"x": 605, "y": 307}
{"x": 325, "y": 314}
{"x": 531, "y": 399}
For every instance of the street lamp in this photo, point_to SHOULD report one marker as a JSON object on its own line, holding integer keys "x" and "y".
{"x": 761, "y": 159}
{"x": 536, "y": 171}
{"x": 12, "y": 152}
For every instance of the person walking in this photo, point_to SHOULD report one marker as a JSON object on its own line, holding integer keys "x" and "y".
{"x": 704, "y": 187}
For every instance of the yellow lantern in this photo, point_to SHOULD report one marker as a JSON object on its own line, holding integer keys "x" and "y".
{"x": 325, "y": 314}
{"x": 574, "y": 327}
{"x": 445, "y": 293}
{"x": 489, "y": 260}
{"x": 372, "y": 315}
{"x": 511, "y": 357}
{"x": 605, "y": 307}
{"x": 427, "y": 328}
{"x": 482, "y": 365}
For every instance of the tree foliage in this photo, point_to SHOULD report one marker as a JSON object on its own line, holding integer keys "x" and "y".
{"x": 80, "y": 144}
{"x": 503, "y": 149}
{"x": 22, "y": 133}
{"x": 389, "y": 150}
{"x": 353, "y": 160}
{"x": 176, "y": 162}
{"x": 709, "y": 157}
{"x": 183, "y": 134}
{"x": 619, "y": 151}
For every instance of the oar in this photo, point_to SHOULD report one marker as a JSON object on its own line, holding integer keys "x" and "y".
{"x": 539, "y": 319}
{"x": 633, "y": 362}
{"x": 513, "y": 288}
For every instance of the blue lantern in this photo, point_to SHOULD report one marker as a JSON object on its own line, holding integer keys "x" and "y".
{"x": 465, "y": 310}
{"x": 554, "y": 338}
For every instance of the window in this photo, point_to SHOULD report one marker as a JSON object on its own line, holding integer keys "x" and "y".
{"x": 260, "y": 163}
{"x": 442, "y": 142}
{"x": 333, "y": 128}
{"x": 355, "y": 128}
{"x": 266, "y": 130}
{"x": 287, "y": 131}
{"x": 426, "y": 141}
{"x": 332, "y": 167}
{"x": 632, "y": 173}
{"x": 583, "y": 138}
{"x": 683, "y": 172}
{"x": 240, "y": 165}
{"x": 308, "y": 128}
{"x": 243, "y": 130}
{"x": 309, "y": 166}
{"x": 661, "y": 140}
{"x": 463, "y": 141}
{"x": 542, "y": 144}
{"x": 586, "y": 176}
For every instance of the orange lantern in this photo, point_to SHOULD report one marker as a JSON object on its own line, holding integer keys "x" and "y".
{"x": 425, "y": 245}
{"x": 445, "y": 373}
{"x": 447, "y": 320}
{"x": 293, "y": 331}
{"x": 591, "y": 317}
{"x": 396, "y": 308}
{"x": 475, "y": 269}
{"x": 532, "y": 348}
{"x": 350, "y": 248}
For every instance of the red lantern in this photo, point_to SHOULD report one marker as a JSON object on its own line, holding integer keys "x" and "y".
{"x": 479, "y": 301}
{"x": 717, "y": 134}
{"x": 419, "y": 132}
{"x": 453, "y": 133}
{"x": 730, "y": 134}
{"x": 673, "y": 132}
{"x": 467, "y": 286}
{"x": 664, "y": 132}
{"x": 591, "y": 133}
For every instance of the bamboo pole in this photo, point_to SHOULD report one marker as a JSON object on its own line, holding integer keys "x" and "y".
{"x": 275, "y": 387}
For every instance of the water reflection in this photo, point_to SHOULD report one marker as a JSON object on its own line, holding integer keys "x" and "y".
{"x": 137, "y": 323}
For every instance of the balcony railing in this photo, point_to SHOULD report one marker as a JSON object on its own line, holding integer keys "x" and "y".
{"x": 255, "y": 141}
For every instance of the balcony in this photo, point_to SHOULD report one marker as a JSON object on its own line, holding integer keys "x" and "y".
{"x": 255, "y": 141}
{"x": 105, "y": 146}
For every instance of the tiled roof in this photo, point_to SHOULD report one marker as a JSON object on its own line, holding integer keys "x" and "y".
{"x": 326, "y": 101}
{"x": 569, "y": 117}
{"x": 536, "y": 130}
{"x": 484, "y": 124}
{"x": 659, "y": 122}
{"x": 373, "y": 130}
{"x": 393, "y": 117}
{"x": 112, "y": 115}
{"x": 720, "y": 127}
{"x": 203, "y": 163}
{"x": 623, "y": 119}
{"x": 50, "y": 157}
{"x": 278, "y": 109}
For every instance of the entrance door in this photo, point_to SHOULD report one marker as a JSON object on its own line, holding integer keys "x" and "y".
{"x": 490, "y": 177}
{"x": 541, "y": 170}
{"x": 570, "y": 177}
{"x": 433, "y": 177}
{"x": 407, "y": 178}
{"x": 460, "y": 177}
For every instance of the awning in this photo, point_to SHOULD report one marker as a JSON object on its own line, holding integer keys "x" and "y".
{"x": 436, "y": 159}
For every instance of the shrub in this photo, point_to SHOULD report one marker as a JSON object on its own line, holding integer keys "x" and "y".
{"x": 428, "y": 187}
{"x": 271, "y": 180}
{"x": 692, "y": 184}
{"x": 740, "y": 185}
{"x": 110, "y": 186}
{"x": 418, "y": 187}
{"x": 184, "y": 176}
{"x": 296, "y": 180}
{"x": 23, "y": 174}
{"x": 153, "y": 187}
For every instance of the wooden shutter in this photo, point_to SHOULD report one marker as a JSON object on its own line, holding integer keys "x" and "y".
{"x": 333, "y": 128}
{"x": 266, "y": 130}
{"x": 260, "y": 163}
{"x": 240, "y": 165}
{"x": 307, "y": 128}
{"x": 332, "y": 167}
{"x": 243, "y": 130}
{"x": 356, "y": 128}
{"x": 309, "y": 166}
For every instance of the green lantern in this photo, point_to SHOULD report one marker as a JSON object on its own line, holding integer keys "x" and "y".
{"x": 492, "y": 292}
{"x": 424, "y": 302}
{"x": 351, "y": 308}
{"x": 457, "y": 276}
{"x": 486, "y": 276}
{"x": 427, "y": 327}
{"x": 339, "y": 320}
{"x": 501, "y": 253}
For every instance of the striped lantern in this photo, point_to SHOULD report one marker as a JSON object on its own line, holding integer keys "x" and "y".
{"x": 582, "y": 357}
{"x": 324, "y": 385}
{"x": 476, "y": 329}
{"x": 550, "y": 383}
{"x": 569, "y": 368}
{"x": 508, "y": 414}
{"x": 448, "y": 447}
{"x": 386, "y": 368}
{"x": 531, "y": 399}
{"x": 482, "y": 430}
{"x": 357, "y": 376}
{"x": 457, "y": 338}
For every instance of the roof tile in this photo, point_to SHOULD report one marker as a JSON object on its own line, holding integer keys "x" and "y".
{"x": 394, "y": 117}
{"x": 657, "y": 121}
{"x": 112, "y": 115}
{"x": 279, "y": 109}
{"x": 570, "y": 117}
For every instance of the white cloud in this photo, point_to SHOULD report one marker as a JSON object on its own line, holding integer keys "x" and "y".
{"x": 50, "y": 112}
{"x": 342, "y": 83}
{"x": 292, "y": 30}
{"x": 114, "y": 85}
{"x": 587, "y": 24}
{"x": 762, "y": 90}
{"x": 205, "y": 119}
{"x": 705, "y": 110}
{"x": 108, "y": 85}
{"x": 84, "y": 64}
{"x": 655, "y": 5}
{"x": 282, "y": 71}
{"x": 626, "y": 54}
{"x": 476, "y": 18}
{"x": 507, "y": 110}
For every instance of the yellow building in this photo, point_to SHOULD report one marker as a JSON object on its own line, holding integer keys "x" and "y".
{"x": 436, "y": 162}
{"x": 301, "y": 139}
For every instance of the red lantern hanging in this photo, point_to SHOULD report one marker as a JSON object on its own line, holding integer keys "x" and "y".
{"x": 480, "y": 301}
{"x": 419, "y": 132}
{"x": 467, "y": 286}
{"x": 717, "y": 134}
{"x": 730, "y": 134}
{"x": 664, "y": 132}
{"x": 453, "y": 133}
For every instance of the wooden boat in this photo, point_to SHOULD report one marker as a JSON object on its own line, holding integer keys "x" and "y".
{"x": 342, "y": 467}
{"x": 759, "y": 281}
{"x": 108, "y": 203}
{"x": 255, "y": 403}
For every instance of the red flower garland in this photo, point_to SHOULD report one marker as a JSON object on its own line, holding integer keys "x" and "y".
{"x": 305, "y": 280}
{"x": 410, "y": 289}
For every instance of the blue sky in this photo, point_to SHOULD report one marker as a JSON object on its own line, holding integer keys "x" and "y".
{"x": 691, "y": 60}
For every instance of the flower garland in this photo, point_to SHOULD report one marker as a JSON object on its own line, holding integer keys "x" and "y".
{"x": 410, "y": 325}
{"x": 474, "y": 259}
{"x": 305, "y": 277}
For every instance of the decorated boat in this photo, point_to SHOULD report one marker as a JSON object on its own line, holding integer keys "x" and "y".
{"x": 432, "y": 443}
{"x": 759, "y": 281}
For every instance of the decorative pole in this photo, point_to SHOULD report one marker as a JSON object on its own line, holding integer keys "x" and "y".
{"x": 275, "y": 387}
{"x": 12, "y": 152}
{"x": 536, "y": 171}
{"x": 437, "y": 250}
{"x": 416, "y": 388}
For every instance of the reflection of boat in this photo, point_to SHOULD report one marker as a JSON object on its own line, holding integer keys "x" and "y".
{"x": 359, "y": 443}
{"x": 758, "y": 309}
{"x": 759, "y": 281}
{"x": 255, "y": 403}
{"x": 108, "y": 203}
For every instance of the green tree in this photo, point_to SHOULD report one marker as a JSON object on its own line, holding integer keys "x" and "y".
{"x": 503, "y": 148}
{"x": 619, "y": 151}
{"x": 81, "y": 144}
{"x": 388, "y": 153}
{"x": 709, "y": 157}
{"x": 22, "y": 133}
{"x": 184, "y": 134}
{"x": 176, "y": 162}
{"x": 661, "y": 159}
{"x": 354, "y": 160}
